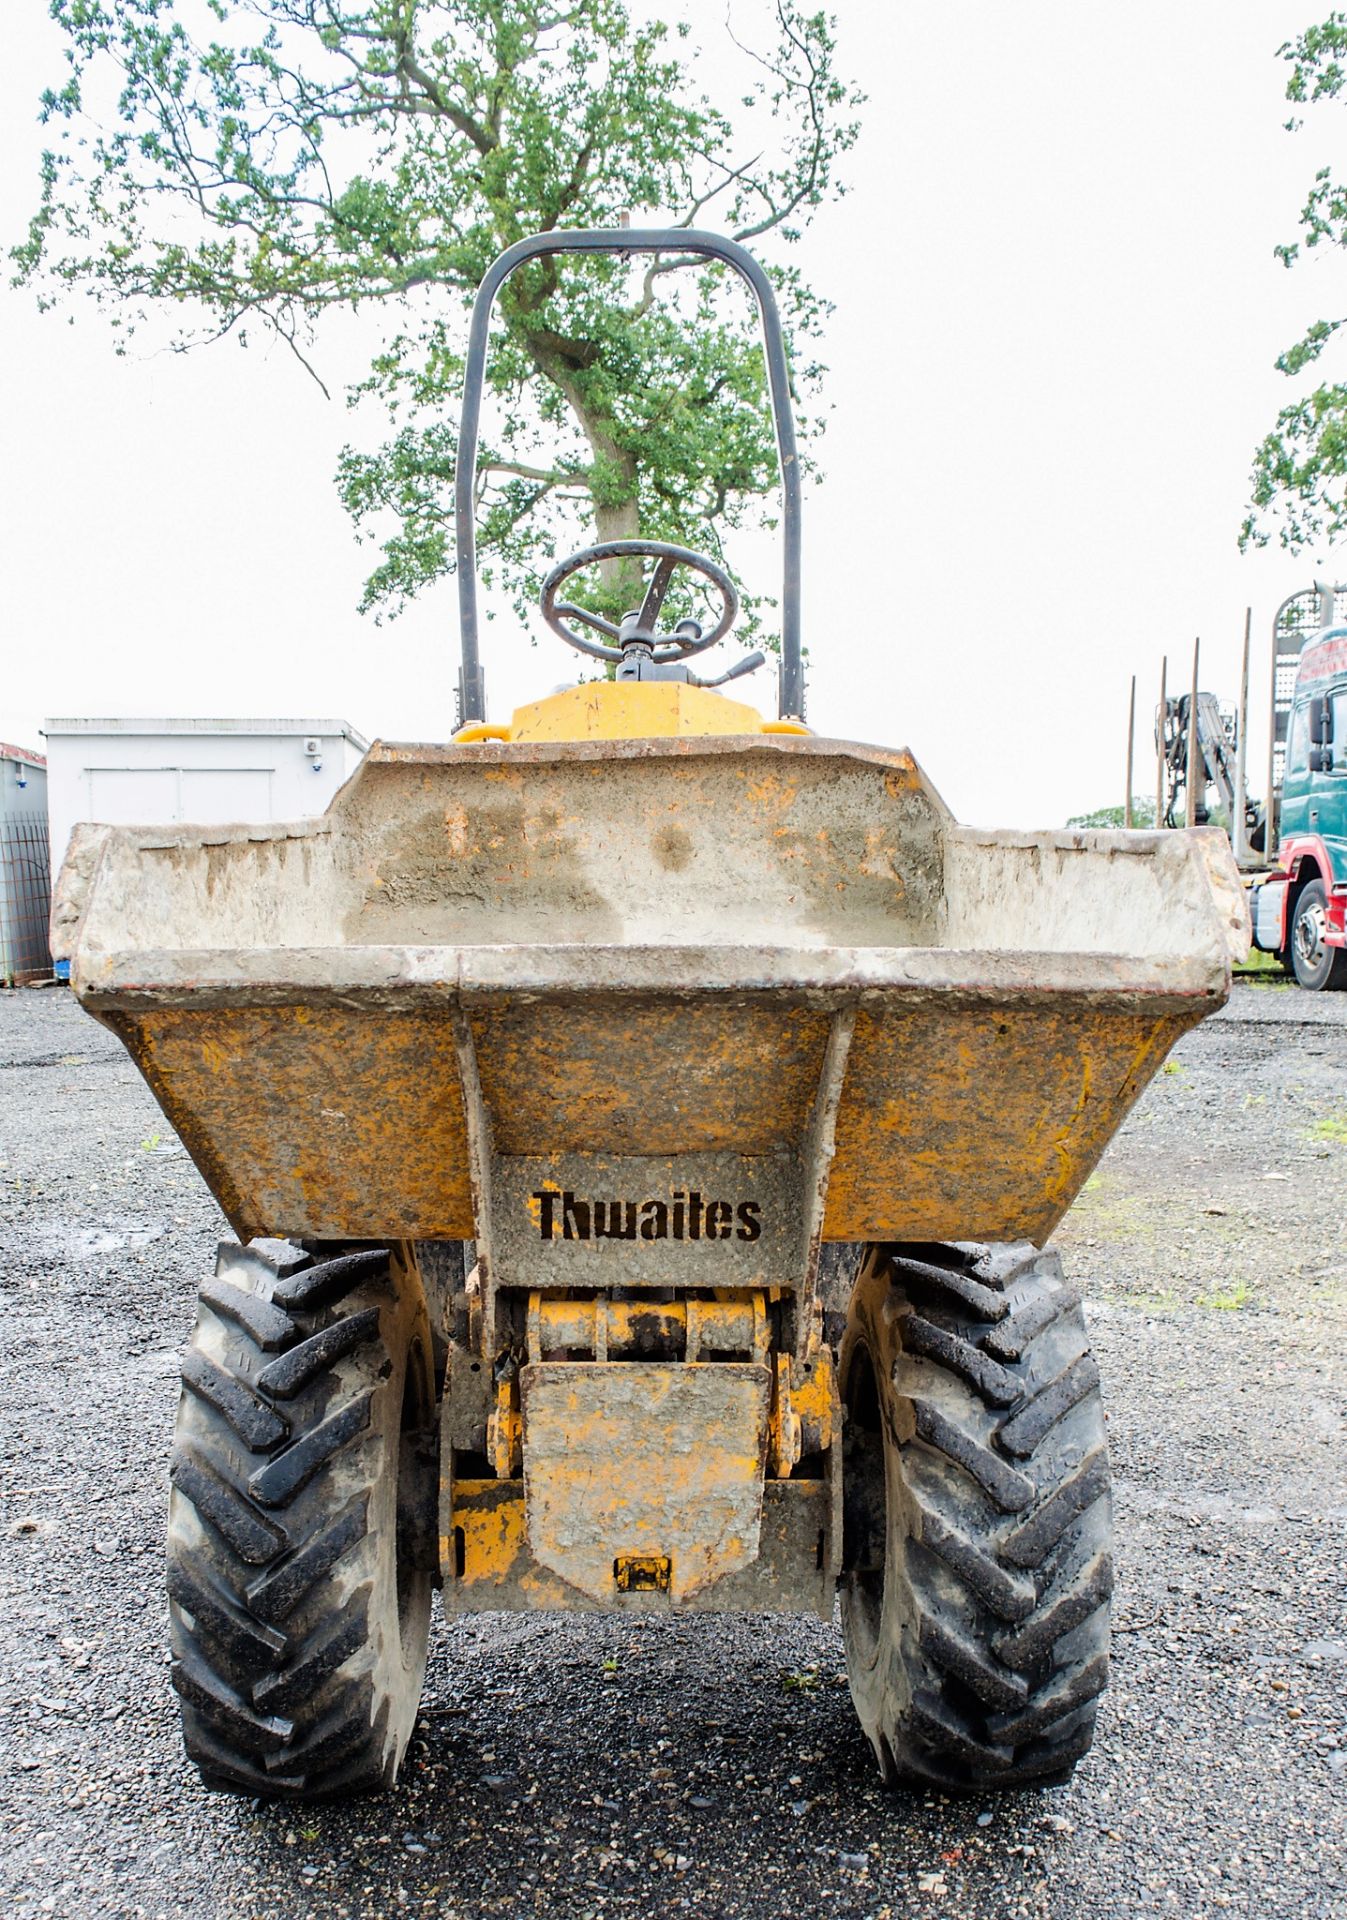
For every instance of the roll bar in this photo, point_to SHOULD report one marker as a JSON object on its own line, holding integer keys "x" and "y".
{"x": 471, "y": 686}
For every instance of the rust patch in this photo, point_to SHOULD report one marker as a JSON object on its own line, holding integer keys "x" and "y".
{"x": 491, "y": 1559}
{"x": 648, "y": 1076}
{"x": 487, "y": 1564}
{"x": 968, "y": 1123}
{"x": 322, "y": 1122}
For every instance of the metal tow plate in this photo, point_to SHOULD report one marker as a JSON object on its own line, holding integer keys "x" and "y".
{"x": 632, "y": 1462}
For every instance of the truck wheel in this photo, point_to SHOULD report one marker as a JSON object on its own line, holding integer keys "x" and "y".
{"x": 976, "y": 1517}
{"x": 301, "y": 1521}
{"x": 1316, "y": 964}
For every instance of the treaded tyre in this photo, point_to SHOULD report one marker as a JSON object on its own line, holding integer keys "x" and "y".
{"x": 977, "y": 1517}
{"x": 301, "y": 1521}
{"x": 1315, "y": 964}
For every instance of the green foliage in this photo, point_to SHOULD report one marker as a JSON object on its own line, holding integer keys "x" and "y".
{"x": 1264, "y": 970}
{"x": 1231, "y": 1299}
{"x": 249, "y": 164}
{"x": 1143, "y": 815}
{"x": 1299, "y": 482}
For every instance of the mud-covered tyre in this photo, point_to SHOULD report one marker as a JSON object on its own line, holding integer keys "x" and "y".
{"x": 977, "y": 1520}
{"x": 301, "y": 1521}
{"x": 1316, "y": 965}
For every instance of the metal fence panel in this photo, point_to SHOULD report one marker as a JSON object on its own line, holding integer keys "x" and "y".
{"x": 25, "y": 900}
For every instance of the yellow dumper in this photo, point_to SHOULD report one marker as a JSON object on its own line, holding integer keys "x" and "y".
{"x": 640, "y": 1124}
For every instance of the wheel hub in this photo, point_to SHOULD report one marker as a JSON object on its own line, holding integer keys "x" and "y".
{"x": 1311, "y": 932}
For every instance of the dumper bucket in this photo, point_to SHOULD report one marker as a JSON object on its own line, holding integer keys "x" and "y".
{"x": 578, "y": 999}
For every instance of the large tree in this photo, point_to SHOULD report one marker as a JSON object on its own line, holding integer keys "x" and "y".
{"x": 1299, "y": 486}
{"x": 240, "y": 165}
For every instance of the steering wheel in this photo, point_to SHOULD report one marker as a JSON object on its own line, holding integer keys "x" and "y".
{"x": 638, "y": 628}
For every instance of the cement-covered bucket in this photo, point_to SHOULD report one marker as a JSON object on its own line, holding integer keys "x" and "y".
{"x": 536, "y": 993}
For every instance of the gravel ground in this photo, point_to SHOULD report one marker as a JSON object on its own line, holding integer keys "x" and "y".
{"x": 596, "y": 1766}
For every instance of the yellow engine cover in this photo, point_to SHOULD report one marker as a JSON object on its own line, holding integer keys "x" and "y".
{"x": 629, "y": 710}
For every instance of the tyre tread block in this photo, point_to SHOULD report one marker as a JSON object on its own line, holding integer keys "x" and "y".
{"x": 1051, "y": 1762}
{"x": 267, "y": 1326}
{"x": 936, "y": 1726}
{"x": 1011, "y": 1490}
{"x": 293, "y": 1370}
{"x": 203, "y": 1689}
{"x": 1002, "y": 1692}
{"x": 1001, "y": 1264}
{"x": 1035, "y": 1537}
{"x": 1008, "y": 1594}
{"x": 253, "y": 1537}
{"x": 363, "y": 1775}
{"x": 955, "y": 1284}
{"x": 275, "y": 1595}
{"x": 1023, "y": 1432}
{"x": 238, "y": 1637}
{"x": 290, "y": 1472}
{"x": 345, "y": 1731}
{"x": 293, "y": 1685}
{"x": 1052, "y": 1703}
{"x": 257, "y": 1425}
{"x": 997, "y": 1387}
{"x": 226, "y": 1769}
{"x": 330, "y": 1281}
{"x": 1013, "y": 1338}
{"x": 1062, "y": 1612}
{"x": 267, "y": 1260}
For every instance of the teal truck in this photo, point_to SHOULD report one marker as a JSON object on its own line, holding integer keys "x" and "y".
{"x": 1299, "y": 908}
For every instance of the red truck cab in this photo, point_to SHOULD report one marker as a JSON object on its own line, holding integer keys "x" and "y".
{"x": 1298, "y": 910}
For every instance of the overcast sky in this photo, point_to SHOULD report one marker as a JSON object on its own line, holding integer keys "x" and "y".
{"x": 1057, "y": 313}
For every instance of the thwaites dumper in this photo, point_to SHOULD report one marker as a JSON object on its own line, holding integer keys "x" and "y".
{"x": 641, "y": 1125}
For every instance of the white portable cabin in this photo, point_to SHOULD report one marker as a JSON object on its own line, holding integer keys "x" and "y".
{"x": 25, "y": 867}
{"x": 153, "y": 772}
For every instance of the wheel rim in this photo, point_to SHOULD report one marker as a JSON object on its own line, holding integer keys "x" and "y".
{"x": 1311, "y": 932}
{"x": 864, "y": 1505}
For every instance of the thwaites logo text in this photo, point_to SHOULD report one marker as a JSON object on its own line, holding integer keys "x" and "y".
{"x": 684, "y": 1216}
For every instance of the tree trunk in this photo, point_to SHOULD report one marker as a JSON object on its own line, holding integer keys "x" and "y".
{"x": 620, "y": 522}
{"x": 614, "y": 519}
